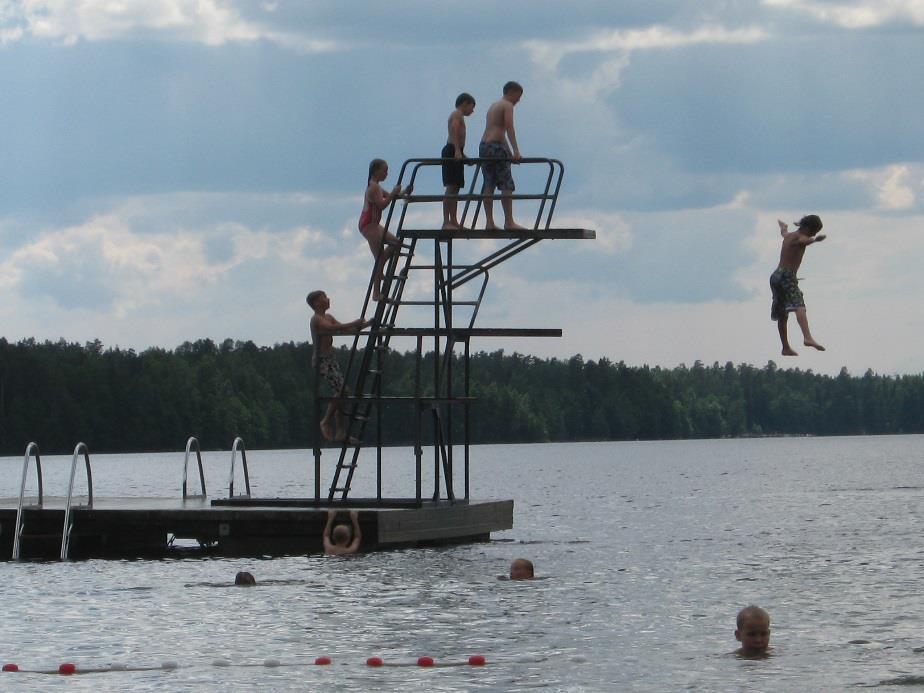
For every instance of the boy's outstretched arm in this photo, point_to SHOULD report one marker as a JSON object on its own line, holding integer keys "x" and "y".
{"x": 784, "y": 227}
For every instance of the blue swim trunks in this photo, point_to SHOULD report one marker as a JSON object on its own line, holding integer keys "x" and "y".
{"x": 787, "y": 296}
{"x": 496, "y": 174}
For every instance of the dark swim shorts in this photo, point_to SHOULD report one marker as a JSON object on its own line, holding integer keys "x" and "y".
{"x": 496, "y": 174}
{"x": 330, "y": 371}
{"x": 786, "y": 293}
{"x": 453, "y": 171}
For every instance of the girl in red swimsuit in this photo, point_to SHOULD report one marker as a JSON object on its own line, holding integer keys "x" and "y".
{"x": 370, "y": 226}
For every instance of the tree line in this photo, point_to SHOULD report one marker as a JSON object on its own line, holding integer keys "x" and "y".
{"x": 117, "y": 400}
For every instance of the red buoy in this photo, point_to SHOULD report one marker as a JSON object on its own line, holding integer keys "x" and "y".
{"x": 425, "y": 661}
{"x": 10, "y": 667}
{"x": 67, "y": 668}
{"x": 322, "y": 660}
{"x": 374, "y": 662}
{"x": 476, "y": 660}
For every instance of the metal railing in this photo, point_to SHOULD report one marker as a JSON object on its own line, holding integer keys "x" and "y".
{"x": 239, "y": 443}
{"x": 68, "y": 518}
{"x": 31, "y": 448}
{"x": 193, "y": 443}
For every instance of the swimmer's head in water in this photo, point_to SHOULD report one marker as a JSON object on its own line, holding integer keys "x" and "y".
{"x": 521, "y": 569}
{"x": 244, "y": 578}
{"x": 340, "y": 535}
{"x": 753, "y": 631}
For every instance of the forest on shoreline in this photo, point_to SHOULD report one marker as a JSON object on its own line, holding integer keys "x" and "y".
{"x": 117, "y": 400}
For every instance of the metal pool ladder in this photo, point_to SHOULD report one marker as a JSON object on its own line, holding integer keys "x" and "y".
{"x": 33, "y": 449}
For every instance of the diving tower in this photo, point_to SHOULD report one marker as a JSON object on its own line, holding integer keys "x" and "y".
{"x": 433, "y": 300}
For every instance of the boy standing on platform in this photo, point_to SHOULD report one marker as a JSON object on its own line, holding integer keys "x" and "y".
{"x": 787, "y": 297}
{"x": 494, "y": 145}
{"x": 323, "y": 326}
{"x": 454, "y": 171}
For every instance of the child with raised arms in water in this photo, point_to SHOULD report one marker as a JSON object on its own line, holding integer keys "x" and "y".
{"x": 340, "y": 540}
{"x": 370, "y": 220}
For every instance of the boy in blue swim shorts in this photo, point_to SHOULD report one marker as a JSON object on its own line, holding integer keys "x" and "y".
{"x": 787, "y": 297}
{"x": 494, "y": 145}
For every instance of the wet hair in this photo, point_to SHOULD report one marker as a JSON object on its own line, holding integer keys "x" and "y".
{"x": 244, "y": 578}
{"x": 464, "y": 97}
{"x": 312, "y": 297}
{"x": 525, "y": 562}
{"x": 811, "y": 223}
{"x": 512, "y": 86}
{"x": 341, "y": 534}
{"x": 750, "y": 612}
{"x": 374, "y": 166}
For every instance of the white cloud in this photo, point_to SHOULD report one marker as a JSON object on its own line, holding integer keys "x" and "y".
{"x": 857, "y": 14}
{"x": 212, "y": 22}
{"x": 621, "y": 43}
{"x": 890, "y": 185}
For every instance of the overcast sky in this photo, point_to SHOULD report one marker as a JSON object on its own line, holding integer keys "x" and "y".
{"x": 178, "y": 169}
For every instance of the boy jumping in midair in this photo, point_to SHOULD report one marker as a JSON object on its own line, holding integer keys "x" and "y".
{"x": 787, "y": 297}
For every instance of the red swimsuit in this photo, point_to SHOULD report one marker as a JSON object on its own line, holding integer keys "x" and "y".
{"x": 370, "y": 215}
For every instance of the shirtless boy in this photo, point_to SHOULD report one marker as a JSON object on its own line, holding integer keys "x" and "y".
{"x": 494, "y": 145}
{"x": 787, "y": 297}
{"x": 454, "y": 171}
{"x": 323, "y": 327}
{"x": 337, "y": 539}
{"x": 753, "y": 632}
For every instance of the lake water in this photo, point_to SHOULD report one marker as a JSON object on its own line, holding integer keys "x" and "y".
{"x": 645, "y": 552}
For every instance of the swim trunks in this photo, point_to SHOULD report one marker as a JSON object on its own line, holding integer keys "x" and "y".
{"x": 330, "y": 371}
{"x": 453, "y": 171}
{"x": 786, "y": 293}
{"x": 496, "y": 174}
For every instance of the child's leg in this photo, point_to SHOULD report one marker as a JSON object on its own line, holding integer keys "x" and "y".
{"x": 802, "y": 319}
{"x": 781, "y": 325}
{"x": 487, "y": 193}
{"x": 507, "y": 204}
{"x": 325, "y": 424}
{"x": 374, "y": 234}
{"x": 450, "y": 207}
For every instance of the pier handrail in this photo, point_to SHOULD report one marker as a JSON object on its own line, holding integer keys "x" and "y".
{"x": 30, "y": 448}
{"x": 68, "y": 520}
{"x": 238, "y": 442}
{"x": 193, "y": 442}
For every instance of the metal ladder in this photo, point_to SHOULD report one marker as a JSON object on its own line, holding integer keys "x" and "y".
{"x": 369, "y": 360}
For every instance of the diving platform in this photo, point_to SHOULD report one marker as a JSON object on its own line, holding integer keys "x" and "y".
{"x": 430, "y": 296}
{"x": 173, "y": 527}
{"x": 445, "y": 235}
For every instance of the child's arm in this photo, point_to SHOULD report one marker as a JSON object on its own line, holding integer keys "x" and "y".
{"x": 328, "y": 324}
{"x": 357, "y": 533}
{"x": 325, "y": 537}
{"x": 511, "y": 132}
{"x": 456, "y": 128}
{"x": 784, "y": 227}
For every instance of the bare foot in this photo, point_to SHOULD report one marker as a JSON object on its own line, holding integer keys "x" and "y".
{"x": 491, "y": 227}
{"x": 451, "y": 226}
{"x": 812, "y": 343}
{"x": 326, "y": 430}
{"x": 513, "y": 226}
{"x": 789, "y": 351}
